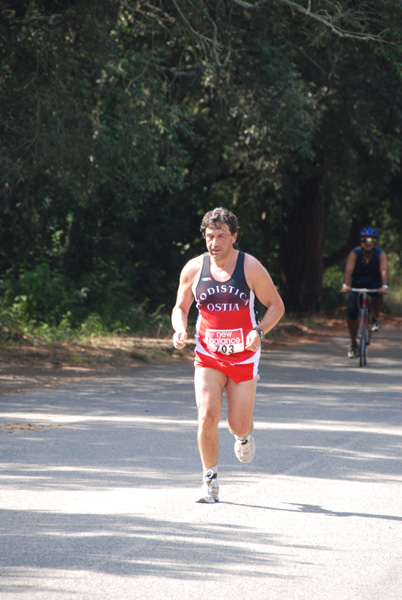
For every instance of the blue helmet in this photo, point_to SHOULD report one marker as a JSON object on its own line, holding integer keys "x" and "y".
{"x": 368, "y": 231}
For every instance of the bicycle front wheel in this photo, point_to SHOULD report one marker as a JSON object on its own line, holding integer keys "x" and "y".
{"x": 369, "y": 321}
{"x": 363, "y": 341}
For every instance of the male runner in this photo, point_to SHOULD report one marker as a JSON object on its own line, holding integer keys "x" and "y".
{"x": 366, "y": 267}
{"x": 225, "y": 283}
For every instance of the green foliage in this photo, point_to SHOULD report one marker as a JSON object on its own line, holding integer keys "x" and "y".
{"x": 16, "y": 327}
{"x": 37, "y": 294}
{"x": 123, "y": 122}
{"x": 395, "y": 268}
{"x": 92, "y": 326}
{"x": 332, "y": 298}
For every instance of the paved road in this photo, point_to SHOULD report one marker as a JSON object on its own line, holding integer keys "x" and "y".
{"x": 99, "y": 479}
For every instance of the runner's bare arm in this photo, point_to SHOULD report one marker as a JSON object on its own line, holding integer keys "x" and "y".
{"x": 184, "y": 301}
{"x": 259, "y": 280}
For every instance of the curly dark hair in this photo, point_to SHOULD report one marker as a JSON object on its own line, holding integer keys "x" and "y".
{"x": 216, "y": 218}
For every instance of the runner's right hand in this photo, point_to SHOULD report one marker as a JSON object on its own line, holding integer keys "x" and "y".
{"x": 179, "y": 339}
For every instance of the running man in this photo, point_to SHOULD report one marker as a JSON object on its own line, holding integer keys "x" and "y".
{"x": 225, "y": 284}
{"x": 366, "y": 267}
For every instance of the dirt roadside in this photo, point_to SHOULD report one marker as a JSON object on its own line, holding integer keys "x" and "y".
{"x": 29, "y": 366}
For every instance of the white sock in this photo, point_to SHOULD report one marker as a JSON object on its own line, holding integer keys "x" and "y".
{"x": 242, "y": 439}
{"x": 209, "y": 469}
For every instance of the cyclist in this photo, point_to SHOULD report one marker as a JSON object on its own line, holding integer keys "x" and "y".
{"x": 366, "y": 267}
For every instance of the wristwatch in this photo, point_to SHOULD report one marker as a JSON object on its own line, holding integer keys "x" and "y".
{"x": 260, "y": 331}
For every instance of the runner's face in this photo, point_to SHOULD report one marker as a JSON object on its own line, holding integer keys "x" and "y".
{"x": 219, "y": 241}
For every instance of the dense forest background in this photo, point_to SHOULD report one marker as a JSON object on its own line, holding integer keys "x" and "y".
{"x": 123, "y": 121}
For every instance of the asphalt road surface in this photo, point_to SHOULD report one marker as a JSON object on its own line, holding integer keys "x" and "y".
{"x": 98, "y": 482}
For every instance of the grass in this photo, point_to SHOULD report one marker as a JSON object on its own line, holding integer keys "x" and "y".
{"x": 96, "y": 351}
{"x": 92, "y": 347}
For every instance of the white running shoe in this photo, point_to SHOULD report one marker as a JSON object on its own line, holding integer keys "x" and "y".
{"x": 353, "y": 351}
{"x": 245, "y": 449}
{"x": 210, "y": 488}
{"x": 375, "y": 325}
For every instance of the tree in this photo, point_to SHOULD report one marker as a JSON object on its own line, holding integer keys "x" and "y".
{"x": 340, "y": 56}
{"x": 133, "y": 118}
{"x": 96, "y": 139}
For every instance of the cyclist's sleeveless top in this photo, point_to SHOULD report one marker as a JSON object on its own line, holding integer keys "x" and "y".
{"x": 226, "y": 315}
{"x": 367, "y": 275}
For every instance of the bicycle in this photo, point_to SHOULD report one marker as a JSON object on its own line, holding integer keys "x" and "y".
{"x": 365, "y": 322}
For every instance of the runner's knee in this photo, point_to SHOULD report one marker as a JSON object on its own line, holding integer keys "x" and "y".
{"x": 240, "y": 425}
{"x": 208, "y": 418}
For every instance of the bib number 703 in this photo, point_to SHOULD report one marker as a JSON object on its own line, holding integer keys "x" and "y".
{"x": 224, "y": 348}
{"x": 224, "y": 341}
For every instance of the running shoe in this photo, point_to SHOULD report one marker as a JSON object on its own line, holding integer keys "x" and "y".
{"x": 375, "y": 326}
{"x": 244, "y": 449}
{"x": 353, "y": 351}
{"x": 210, "y": 488}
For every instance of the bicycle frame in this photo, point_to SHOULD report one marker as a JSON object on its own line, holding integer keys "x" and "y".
{"x": 364, "y": 330}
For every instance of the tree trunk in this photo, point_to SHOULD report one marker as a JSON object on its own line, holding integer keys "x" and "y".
{"x": 301, "y": 249}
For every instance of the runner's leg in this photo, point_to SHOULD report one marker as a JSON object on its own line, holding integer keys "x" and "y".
{"x": 241, "y": 398}
{"x": 209, "y": 385}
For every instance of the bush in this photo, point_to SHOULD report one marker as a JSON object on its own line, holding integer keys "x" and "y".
{"x": 332, "y": 297}
{"x": 37, "y": 294}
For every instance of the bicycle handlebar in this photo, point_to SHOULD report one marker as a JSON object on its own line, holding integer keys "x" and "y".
{"x": 361, "y": 290}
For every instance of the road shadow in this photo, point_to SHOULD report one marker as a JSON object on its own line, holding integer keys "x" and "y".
{"x": 132, "y": 546}
{"x": 314, "y": 509}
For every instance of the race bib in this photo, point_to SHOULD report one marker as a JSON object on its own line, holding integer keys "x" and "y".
{"x": 226, "y": 341}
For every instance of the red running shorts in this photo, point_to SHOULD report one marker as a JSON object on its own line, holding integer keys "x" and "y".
{"x": 242, "y": 372}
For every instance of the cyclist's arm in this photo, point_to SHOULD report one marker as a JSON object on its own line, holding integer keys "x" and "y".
{"x": 349, "y": 268}
{"x": 384, "y": 272}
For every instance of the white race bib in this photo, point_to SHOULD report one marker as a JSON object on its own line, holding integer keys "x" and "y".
{"x": 226, "y": 341}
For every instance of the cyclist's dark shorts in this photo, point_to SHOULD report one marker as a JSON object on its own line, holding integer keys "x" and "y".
{"x": 353, "y": 308}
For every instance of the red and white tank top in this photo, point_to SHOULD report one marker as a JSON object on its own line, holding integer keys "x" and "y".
{"x": 226, "y": 314}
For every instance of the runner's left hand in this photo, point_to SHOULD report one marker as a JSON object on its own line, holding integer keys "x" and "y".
{"x": 253, "y": 341}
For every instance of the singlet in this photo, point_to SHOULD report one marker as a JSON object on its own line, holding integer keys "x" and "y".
{"x": 367, "y": 275}
{"x": 226, "y": 314}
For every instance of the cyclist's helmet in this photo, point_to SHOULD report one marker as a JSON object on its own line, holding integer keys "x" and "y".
{"x": 368, "y": 232}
